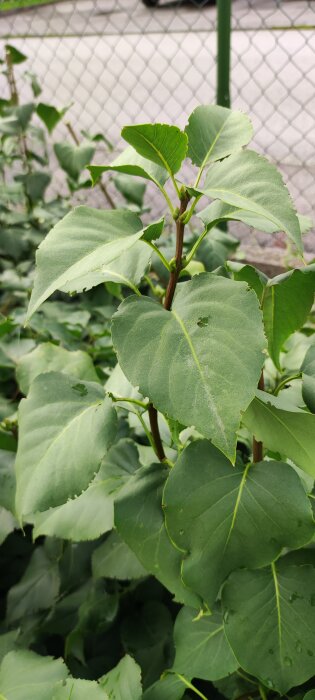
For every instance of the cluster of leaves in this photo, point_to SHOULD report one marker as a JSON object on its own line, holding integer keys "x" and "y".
{"x": 172, "y": 556}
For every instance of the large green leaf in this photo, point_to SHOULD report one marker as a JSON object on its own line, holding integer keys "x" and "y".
{"x": 131, "y": 163}
{"x": 283, "y": 428}
{"x": 255, "y": 279}
{"x": 37, "y": 589}
{"x": 248, "y": 181}
{"x": 124, "y": 681}
{"x": 287, "y": 301}
{"x": 77, "y": 689}
{"x": 215, "y": 132}
{"x": 162, "y": 144}
{"x": 270, "y": 623}
{"x": 80, "y": 245}
{"x": 72, "y": 158}
{"x": 48, "y": 357}
{"x": 192, "y": 362}
{"x": 24, "y": 675}
{"x": 202, "y": 650}
{"x": 222, "y": 518}
{"x": 65, "y": 428}
{"x": 127, "y": 269}
{"x": 92, "y": 513}
{"x": 114, "y": 559}
{"x": 220, "y": 211}
{"x": 139, "y": 521}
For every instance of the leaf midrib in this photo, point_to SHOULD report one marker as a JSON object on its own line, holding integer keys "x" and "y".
{"x": 59, "y": 435}
{"x": 247, "y": 200}
{"x": 218, "y": 419}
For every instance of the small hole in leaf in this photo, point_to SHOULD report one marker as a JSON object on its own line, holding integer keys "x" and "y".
{"x": 203, "y": 321}
{"x": 80, "y": 389}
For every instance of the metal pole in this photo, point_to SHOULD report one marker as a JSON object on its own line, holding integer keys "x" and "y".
{"x": 223, "y": 52}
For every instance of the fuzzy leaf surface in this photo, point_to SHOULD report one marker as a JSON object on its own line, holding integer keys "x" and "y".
{"x": 248, "y": 181}
{"x": 25, "y": 675}
{"x": 114, "y": 559}
{"x": 163, "y": 144}
{"x": 191, "y": 361}
{"x": 139, "y": 521}
{"x": 91, "y": 514}
{"x": 215, "y": 132}
{"x": 48, "y": 357}
{"x": 287, "y": 301}
{"x": 283, "y": 428}
{"x": 66, "y": 427}
{"x": 275, "y": 607}
{"x": 202, "y": 650}
{"x": 208, "y": 505}
{"x": 83, "y": 242}
{"x": 124, "y": 681}
{"x": 130, "y": 162}
{"x": 77, "y": 689}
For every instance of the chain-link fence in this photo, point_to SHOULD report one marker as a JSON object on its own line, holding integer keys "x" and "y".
{"x": 121, "y": 61}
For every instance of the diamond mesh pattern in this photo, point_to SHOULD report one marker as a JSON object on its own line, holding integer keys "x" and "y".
{"x": 119, "y": 61}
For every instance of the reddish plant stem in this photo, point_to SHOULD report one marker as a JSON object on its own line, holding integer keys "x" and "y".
{"x": 153, "y": 417}
{"x": 180, "y": 228}
{"x": 258, "y": 448}
{"x": 174, "y": 275}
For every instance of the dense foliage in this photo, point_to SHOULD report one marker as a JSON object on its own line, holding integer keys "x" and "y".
{"x": 156, "y": 520}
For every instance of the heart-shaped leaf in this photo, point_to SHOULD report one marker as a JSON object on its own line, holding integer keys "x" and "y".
{"x": 192, "y": 362}
{"x": 62, "y": 422}
{"x": 162, "y": 144}
{"x": 202, "y": 650}
{"x": 248, "y": 181}
{"x": 91, "y": 514}
{"x": 215, "y": 132}
{"x": 275, "y": 607}
{"x": 222, "y": 518}
{"x": 140, "y": 522}
{"x": 25, "y": 675}
{"x": 283, "y": 428}
{"x": 131, "y": 163}
{"x": 81, "y": 245}
{"x": 286, "y": 303}
{"x": 73, "y": 159}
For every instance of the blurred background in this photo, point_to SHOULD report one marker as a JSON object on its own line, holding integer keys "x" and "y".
{"x": 125, "y": 61}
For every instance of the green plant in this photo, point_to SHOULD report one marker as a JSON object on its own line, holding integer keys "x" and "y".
{"x": 188, "y": 480}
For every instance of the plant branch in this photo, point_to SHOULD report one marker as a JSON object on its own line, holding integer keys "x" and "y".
{"x": 154, "y": 425}
{"x": 14, "y": 95}
{"x": 166, "y": 197}
{"x": 174, "y": 275}
{"x": 195, "y": 247}
{"x": 159, "y": 253}
{"x": 116, "y": 399}
{"x": 101, "y": 185}
{"x": 258, "y": 448}
{"x": 191, "y": 686}
{"x": 180, "y": 228}
{"x": 286, "y": 381}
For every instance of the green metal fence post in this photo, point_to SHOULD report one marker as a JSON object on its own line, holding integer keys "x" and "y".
{"x": 223, "y": 52}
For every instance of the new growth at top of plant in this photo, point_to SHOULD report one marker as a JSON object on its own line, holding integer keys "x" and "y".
{"x": 199, "y": 450}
